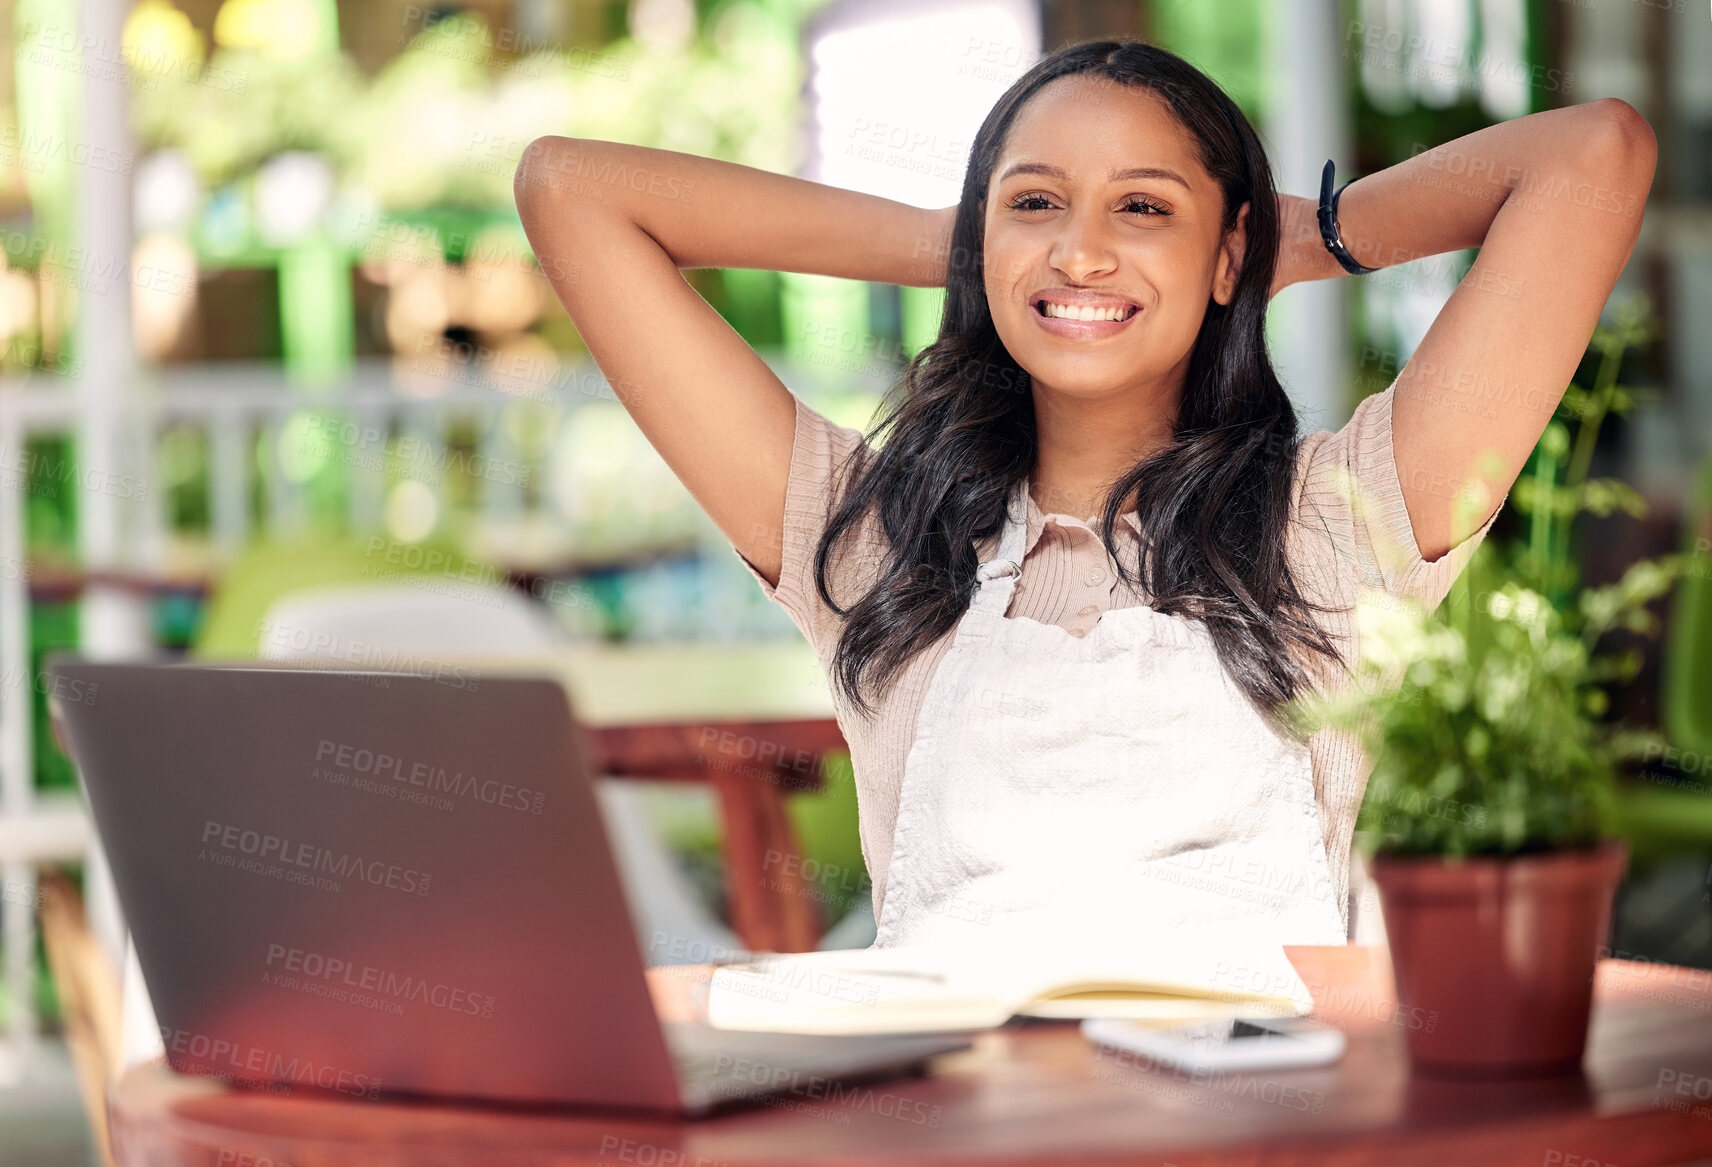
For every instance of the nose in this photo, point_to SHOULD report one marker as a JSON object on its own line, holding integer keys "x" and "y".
{"x": 1083, "y": 248}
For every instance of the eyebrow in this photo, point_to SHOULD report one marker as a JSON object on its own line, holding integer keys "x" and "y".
{"x": 1114, "y": 176}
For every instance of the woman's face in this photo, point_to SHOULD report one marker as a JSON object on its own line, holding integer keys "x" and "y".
{"x": 1098, "y": 205}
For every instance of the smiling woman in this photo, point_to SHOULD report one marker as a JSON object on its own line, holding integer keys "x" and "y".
{"x": 1068, "y": 220}
{"x": 1112, "y": 175}
{"x": 1059, "y": 720}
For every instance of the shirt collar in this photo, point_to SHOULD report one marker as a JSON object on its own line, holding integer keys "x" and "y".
{"x": 1037, "y": 520}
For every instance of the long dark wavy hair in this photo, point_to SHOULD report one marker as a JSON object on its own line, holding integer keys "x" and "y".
{"x": 1212, "y": 504}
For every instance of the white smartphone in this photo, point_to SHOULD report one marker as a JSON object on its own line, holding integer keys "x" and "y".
{"x": 1270, "y": 1043}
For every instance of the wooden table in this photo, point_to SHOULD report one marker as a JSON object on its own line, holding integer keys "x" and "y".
{"x": 754, "y": 721}
{"x": 1040, "y": 1094}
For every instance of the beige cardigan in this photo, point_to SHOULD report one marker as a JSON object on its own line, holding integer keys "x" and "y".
{"x": 1349, "y": 530}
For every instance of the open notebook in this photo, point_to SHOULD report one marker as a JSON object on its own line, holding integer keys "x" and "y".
{"x": 1176, "y": 979}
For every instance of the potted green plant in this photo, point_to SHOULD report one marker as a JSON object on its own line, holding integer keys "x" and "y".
{"x": 1487, "y": 822}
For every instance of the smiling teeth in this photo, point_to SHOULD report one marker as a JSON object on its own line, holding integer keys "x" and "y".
{"x": 1065, "y": 312}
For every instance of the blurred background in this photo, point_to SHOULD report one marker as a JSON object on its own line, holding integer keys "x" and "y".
{"x": 269, "y": 329}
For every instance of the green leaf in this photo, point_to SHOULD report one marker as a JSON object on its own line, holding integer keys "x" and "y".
{"x": 1494, "y": 706}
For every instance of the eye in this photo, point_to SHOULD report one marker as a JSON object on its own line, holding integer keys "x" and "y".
{"x": 1147, "y": 207}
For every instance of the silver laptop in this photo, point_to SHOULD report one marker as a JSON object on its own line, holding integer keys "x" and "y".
{"x": 377, "y": 883}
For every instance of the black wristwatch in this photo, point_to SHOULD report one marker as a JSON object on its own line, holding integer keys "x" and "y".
{"x": 1329, "y": 226}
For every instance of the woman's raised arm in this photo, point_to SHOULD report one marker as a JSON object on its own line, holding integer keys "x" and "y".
{"x": 611, "y": 224}
{"x": 1553, "y": 200}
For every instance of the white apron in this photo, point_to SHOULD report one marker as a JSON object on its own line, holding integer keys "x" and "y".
{"x": 1112, "y": 783}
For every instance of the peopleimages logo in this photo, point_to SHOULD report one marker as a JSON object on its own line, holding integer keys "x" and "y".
{"x": 307, "y": 857}
{"x": 366, "y": 978}
{"x": 219, "y": 1057}
{"x": 376, "y": 764}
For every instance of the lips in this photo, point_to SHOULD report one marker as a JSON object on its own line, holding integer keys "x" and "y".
{"x": 1053, "y": 310}
{"x": 1082, "y": 304}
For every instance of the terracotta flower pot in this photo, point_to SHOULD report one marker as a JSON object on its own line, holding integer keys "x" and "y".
{"x": 1496, "y": 956}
